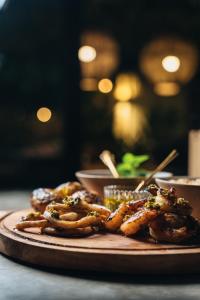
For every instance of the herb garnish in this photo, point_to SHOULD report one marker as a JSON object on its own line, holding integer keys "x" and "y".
{"x": 70, "y": 201}
{"x": 93, "y": 213}
{"x": 54, "y": 214}
{"x": 151, "y": 203}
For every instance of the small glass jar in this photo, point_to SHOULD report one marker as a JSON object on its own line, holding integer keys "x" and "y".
{"x": 114, "y": 195}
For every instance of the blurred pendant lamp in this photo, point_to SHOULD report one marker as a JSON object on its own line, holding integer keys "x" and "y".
{"x": 168, "y": 63}
{"x": 99, "y": 58}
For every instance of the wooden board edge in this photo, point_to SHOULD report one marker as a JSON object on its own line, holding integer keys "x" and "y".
{"x": 4, "y": 213}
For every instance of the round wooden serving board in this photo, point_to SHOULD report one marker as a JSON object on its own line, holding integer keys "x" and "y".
{"x": 98, "y": 252}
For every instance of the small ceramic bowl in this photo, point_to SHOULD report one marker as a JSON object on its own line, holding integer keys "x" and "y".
{"x": 95, "y": 180}
{"x": 187, "y": 191}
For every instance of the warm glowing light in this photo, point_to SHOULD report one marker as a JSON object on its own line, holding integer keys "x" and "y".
{"x": 88, "y": 84}
{"x": 129, "y": 122}
{"x": 86, "y": 54}
{"x": 127, "y": 87}
{"x": 166, "y": 89}
{"x": 169, "y": 59}
{"x": 171, "y": 63}
{"x": 103, "y": 53}
{"x": 44, "y": 114}
{"x": 105, "y": 85}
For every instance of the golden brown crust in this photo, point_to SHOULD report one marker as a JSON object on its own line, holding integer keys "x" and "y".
{"x": 41, "y": 197}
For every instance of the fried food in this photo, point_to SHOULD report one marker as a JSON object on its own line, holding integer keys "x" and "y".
{"x": 87, "y": 196}
{"x": 173, "y": 228}
{"x": 137, "y": 221}
{"x": 166, "y": 217}
{"x": 117, "y": 217}
{"x": 67, "y": 189}
{"x": 73, "y": 216}
{"x": 89, "y": 220}
{"x": 70, "y": 211}
{"x": 43, "y": 196}
{"x": 28, "y": 224}
{"x": 70, "y": 216}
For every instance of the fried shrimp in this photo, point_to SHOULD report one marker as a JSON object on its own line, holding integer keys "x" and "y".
{"x": 116, "y": 218}
{"x": 173, "y": 228}
{"x": 138, "y": 220}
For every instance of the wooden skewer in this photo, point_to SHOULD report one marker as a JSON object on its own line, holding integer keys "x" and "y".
{"x": 159, "y": 168}
{"x": 107, "y": 158}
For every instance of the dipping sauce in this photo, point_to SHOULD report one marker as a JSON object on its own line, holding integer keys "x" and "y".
{"x": 114, "y": 195}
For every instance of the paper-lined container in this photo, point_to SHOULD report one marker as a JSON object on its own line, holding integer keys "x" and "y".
{"x": 194, "y": 153}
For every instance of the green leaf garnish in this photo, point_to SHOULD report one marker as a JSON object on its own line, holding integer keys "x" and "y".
{"x": 130, "y": 165}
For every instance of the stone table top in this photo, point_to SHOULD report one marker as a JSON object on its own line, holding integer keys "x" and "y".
{"x": 20, "y": 281}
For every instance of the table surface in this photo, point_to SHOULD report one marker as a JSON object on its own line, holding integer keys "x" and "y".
{"x": 21, "y": 281}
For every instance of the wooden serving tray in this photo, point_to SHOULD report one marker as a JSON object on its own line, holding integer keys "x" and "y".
{"x": 99, "y": 252}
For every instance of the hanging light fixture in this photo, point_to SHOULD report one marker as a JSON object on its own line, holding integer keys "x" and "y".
{"x": 169, "y": 62}
{"x": 98, "y": 55}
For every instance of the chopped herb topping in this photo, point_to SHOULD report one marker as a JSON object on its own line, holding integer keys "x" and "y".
{"x": 151, "y": 203}
{"x": 54, "y": 214}
{"x": 126, "y": 218}
{"x": 163, "y": 192}
{"x": 152, "y": 188}
{"x": 71, "y": 201}
{"x": 182, "y": 201}
{"x": 35, "y": 214}
{"x": 93, "y": 213}
{"x": 32, "y": 216}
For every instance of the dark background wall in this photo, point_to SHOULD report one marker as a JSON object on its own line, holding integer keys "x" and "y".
{"x": 39, "y": 67}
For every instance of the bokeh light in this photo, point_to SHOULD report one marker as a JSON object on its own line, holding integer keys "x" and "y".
{"x": 127, "y": 87}
{"x": 169, "y": 59}
{"x": 171, "y": 63}
{"x": 129, "y": 122}
{"x": 44, "y": 114}
{"x": 167, "y": 89}
{"x": 105, "y": 85}
{"x": 101, "y": 59}
{"x": 86, "y": 54}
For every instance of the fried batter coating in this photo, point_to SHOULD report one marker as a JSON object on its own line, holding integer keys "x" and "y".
{"x": 137, "y": 221}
